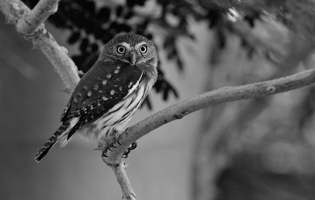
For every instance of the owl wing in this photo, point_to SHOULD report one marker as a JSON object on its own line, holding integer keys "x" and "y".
{"x": 100, "y": 89}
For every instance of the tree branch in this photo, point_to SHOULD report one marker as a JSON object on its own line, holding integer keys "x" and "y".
{"x": 29, "y": 23}
{"x": 123, "y": 180}
{"x": 222, "y": 95}
{"x": 36, "y": 18}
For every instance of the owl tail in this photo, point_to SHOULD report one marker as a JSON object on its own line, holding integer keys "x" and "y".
{"x": 68, "y": 127}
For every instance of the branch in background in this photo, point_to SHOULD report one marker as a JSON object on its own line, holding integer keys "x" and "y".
{"x": 243, "y": 30}
{"x": 222, "y": 95}
{"x": 17, "y": 13}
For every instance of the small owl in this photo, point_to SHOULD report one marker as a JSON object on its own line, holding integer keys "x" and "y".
{"x": 111, "y": 91}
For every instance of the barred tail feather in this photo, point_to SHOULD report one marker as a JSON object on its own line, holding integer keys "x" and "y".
{"x": 64, "y": 139}
{"x": 66, "y": 127}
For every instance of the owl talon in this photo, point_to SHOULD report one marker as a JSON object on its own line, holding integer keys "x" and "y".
{"x": 118, "y": 141}
{"x": 133, "y": 146}
{"x": 104, "y": 153}
{"x": 130, "y": 148}
{"x": 125, "y": 154}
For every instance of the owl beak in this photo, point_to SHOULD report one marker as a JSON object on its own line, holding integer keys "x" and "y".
{"x": 133, "y": 58}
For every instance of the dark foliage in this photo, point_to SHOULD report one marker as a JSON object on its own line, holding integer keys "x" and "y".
{"x": 90, "y": 25}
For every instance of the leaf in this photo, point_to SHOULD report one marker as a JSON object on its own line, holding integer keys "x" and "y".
{"x": 103, "y": 14}
{"x": 84, "y": 44}
{"x": 74, "y": 37}
{"x": 119, "y": 10}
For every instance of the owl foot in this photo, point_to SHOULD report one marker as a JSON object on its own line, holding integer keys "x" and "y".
{"x": 109, "y": 146}
{"x": 130, "y": 148}
{"x": 116, "y": 142}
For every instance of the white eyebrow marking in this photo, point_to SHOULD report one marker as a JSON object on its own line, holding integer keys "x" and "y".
{"x": 139, "y": 44}
{"x": 125, "y": 44}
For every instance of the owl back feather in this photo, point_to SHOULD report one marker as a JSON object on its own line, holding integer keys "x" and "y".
{"x": 101, "y": 88}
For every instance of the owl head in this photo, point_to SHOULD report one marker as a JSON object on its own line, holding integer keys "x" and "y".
{"x": 131, "y": 48}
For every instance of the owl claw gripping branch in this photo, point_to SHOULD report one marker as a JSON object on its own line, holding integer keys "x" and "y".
{"x": 110, "y": 92}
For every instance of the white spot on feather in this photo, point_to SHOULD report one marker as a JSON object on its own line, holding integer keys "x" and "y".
{"x": 130, "y": 84}
{"x": 104, "y": 98}
{"x": 117, "y": 70}
{"x": 89, "y": 93}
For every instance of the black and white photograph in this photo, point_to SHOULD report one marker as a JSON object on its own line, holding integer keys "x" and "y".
{"x": 157, "y": 99}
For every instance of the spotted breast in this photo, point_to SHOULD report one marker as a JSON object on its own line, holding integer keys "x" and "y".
{"x": 116, "y": 119}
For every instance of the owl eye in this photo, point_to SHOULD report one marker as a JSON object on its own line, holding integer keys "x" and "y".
{"x": 121, "y": 49}
{"x": 143, "y": 49}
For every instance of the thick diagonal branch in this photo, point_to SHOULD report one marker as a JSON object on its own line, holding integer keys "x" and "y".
{"x": 222, "y": 95}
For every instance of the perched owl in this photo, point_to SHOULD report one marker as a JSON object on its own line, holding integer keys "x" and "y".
{"x": 111, "y": 91}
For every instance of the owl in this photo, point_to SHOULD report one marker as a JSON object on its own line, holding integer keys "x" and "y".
{"x": 109, "y": 94}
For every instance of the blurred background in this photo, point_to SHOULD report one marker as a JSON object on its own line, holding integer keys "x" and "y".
{"x": 257, "y": 149}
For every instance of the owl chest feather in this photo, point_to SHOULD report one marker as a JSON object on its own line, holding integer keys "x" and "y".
{"x": 118, "y": 116}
